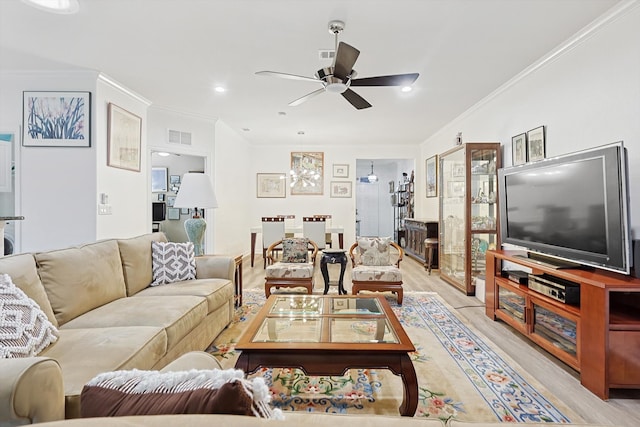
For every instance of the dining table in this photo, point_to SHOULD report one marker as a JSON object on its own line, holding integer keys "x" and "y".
{"x": 295, "y": 230}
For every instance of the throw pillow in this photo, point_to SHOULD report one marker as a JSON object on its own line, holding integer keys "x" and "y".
{"x": 212, "y": 391}
{"x": 374, "y": 250}
{"x": 172, "y": 262}
{"x": 24, "y": 328}
{"x": 295, "y": 250}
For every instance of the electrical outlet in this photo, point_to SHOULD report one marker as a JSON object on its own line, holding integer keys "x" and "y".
{"x": 104, "y": 209}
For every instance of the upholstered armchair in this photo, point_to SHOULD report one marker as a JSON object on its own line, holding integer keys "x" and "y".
{"x": 376, "y": 266}
{"x": 294, "y": 268}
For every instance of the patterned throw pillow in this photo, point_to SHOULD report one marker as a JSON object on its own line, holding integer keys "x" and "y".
{"x": 295, "y": 250}
{"x": 24, "y": 328}
{"x": 172, "y": 262}
{"x": 212, "y": 391}
{"x": 374, "y": 250}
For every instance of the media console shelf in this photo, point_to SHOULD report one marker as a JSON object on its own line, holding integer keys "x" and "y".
{"x": 600, "y": 337}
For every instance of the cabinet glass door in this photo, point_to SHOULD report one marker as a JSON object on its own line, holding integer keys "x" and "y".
{"x": 453, "y": 239}
{"x": 483, "y": 207}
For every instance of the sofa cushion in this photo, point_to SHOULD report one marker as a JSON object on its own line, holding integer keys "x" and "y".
{"x": 82, "y": 278}
{"x": 24, "y": 328}
{"x": 295, "y": 250}
{"x": 217, "y": 291}
{"x": 136, "y": 260}
{"x": 213, "y": 391}
{"x": 172, "y": 262}
{"x": 23, "y": 272}
{"x": 178, "y": 315}
{"x": 374, "y": 250}
{"x": 84, "y": 353}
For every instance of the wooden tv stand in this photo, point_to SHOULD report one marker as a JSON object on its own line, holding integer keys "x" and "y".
{"x": 600, "y": 337}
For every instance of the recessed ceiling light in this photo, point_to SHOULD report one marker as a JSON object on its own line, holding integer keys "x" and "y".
{"x": 282, "y": 113}
{"x": 55, "y": 6}
{"x": 246, "y": 129}
{"x": 300, "y": 132}
{"x": 163, "y": 154}
{"x": 220, "y": 89}
{"x": 406, "y": 88}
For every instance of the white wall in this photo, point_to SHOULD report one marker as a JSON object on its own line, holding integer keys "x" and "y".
{"x": 587, "y": 94}
{"x": 57, "y": 184}
{"x": 127, "y": 190}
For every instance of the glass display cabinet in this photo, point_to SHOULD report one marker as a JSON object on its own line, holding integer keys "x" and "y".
{"x": 468, "y": 211}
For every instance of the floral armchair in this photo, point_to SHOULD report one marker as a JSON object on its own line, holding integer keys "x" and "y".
{"x": 295, "y": 266}
{"x": 376, "y": 266}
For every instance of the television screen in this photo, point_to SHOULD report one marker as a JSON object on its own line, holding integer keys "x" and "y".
{"x": 573, "y": 207}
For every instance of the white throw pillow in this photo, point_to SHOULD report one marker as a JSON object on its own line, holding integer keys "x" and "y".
{"x": 24, "y": 328}
{"x": 172, "y": 262}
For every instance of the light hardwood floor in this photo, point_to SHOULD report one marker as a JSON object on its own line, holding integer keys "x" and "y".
{"x": 623, "y": 409}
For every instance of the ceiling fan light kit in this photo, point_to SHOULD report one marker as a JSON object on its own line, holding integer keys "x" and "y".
{"x": 340, "y": 75}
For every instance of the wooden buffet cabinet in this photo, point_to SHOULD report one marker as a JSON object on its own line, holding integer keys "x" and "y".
{"x": 416, "y": 231}
{"x": 599, "y": 337}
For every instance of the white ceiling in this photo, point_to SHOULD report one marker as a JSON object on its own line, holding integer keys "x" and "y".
{"x": 173, "y": 52}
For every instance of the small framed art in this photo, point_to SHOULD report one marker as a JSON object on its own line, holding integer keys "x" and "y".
{"x": 340, "y": 189}
{"x": 56, "y": 119}
{"x": 535, "y": 144}
{"x": 340, "y": 171}
{"x": 173, "y": 213}
{"x": 431, "y": 173}
{"x": 124, "y": 138}
{"x": 159, "y": 182}
{"x": 519, "y": 149}
{"x": 271, "y": 185}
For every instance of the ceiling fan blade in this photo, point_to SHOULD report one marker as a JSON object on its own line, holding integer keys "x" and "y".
{"x": 304, "y": 98}
{"x": 355, "y": 99}
{"x": 287, "y": 76}
{"x": 393, "y": 80}
{"x": 346, "y": 57}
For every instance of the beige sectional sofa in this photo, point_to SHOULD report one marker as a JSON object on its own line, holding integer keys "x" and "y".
{"x": 108, "y": 318}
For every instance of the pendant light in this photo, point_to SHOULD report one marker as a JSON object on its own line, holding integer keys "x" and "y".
{"x": 372, "y": 176}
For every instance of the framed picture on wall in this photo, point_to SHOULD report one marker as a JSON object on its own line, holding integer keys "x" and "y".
{"x": 56, "y": 119}
{"x": 340, "y": 171}
{"x": 340, "y": 189}
{"x": 173, "y": 213}
{"x": 159, "y": 180}
{"x": 519, "y": 149}
{"x": 535, "y": 144}
{"x": 124, "y": 138}
{"x": 308, "y": 173}
{"x": 431, "y": 174}
{"x": 271, "y": 185}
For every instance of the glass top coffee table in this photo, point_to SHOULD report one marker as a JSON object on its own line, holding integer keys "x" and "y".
{"x": 327, "y": 335}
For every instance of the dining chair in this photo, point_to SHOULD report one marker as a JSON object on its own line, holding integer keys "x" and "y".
{"x": 315, "y": 229}
{"x": 289, "y": 222}
{"x": 376, "y": 266}
{"x": 328, "y": 238}
{"x": 272, "y": 231}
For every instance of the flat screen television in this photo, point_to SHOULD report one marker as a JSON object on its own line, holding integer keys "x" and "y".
{"x": 570, "y": 208}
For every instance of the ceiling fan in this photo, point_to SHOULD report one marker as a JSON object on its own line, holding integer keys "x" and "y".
{"x": 340, "y": 76}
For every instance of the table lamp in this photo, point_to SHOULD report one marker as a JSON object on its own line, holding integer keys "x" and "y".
{"x": 196, "y": 192}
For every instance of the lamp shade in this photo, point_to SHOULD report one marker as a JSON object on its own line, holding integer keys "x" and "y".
{"x": 196, "y": 191}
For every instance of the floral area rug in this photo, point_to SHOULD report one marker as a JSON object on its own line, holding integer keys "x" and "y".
{"x": 460, "y": 375}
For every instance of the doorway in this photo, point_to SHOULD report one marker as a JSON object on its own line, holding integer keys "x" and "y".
{"x": 375, "y": 213}
{"x": 176, "y": 165}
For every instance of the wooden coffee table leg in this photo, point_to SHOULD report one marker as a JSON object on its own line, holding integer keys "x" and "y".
{"x": 410, "y": 381}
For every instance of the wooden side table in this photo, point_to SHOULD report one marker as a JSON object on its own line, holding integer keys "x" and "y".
{"x": 333, "y": 257}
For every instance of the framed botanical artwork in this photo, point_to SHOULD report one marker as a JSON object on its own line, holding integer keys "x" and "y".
{"x": 171, "y": 200}
{"x": 56, "y": 119}
{"x": 124, "y": 138}
{"x": 535, "y": 144}
{"x": 519, "y": 149}
{"x": 431, "y": 173}
{"x": 159, "y": 180}
{"x": 340, "y": 189}
{"x": 340, "y": 171}
{"x": 271, "y": 185}
{"x": 307, "y": 173}
{"x": 174, "y": 180}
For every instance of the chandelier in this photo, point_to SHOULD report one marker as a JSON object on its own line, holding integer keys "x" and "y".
{"x": 303, "y": 176}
